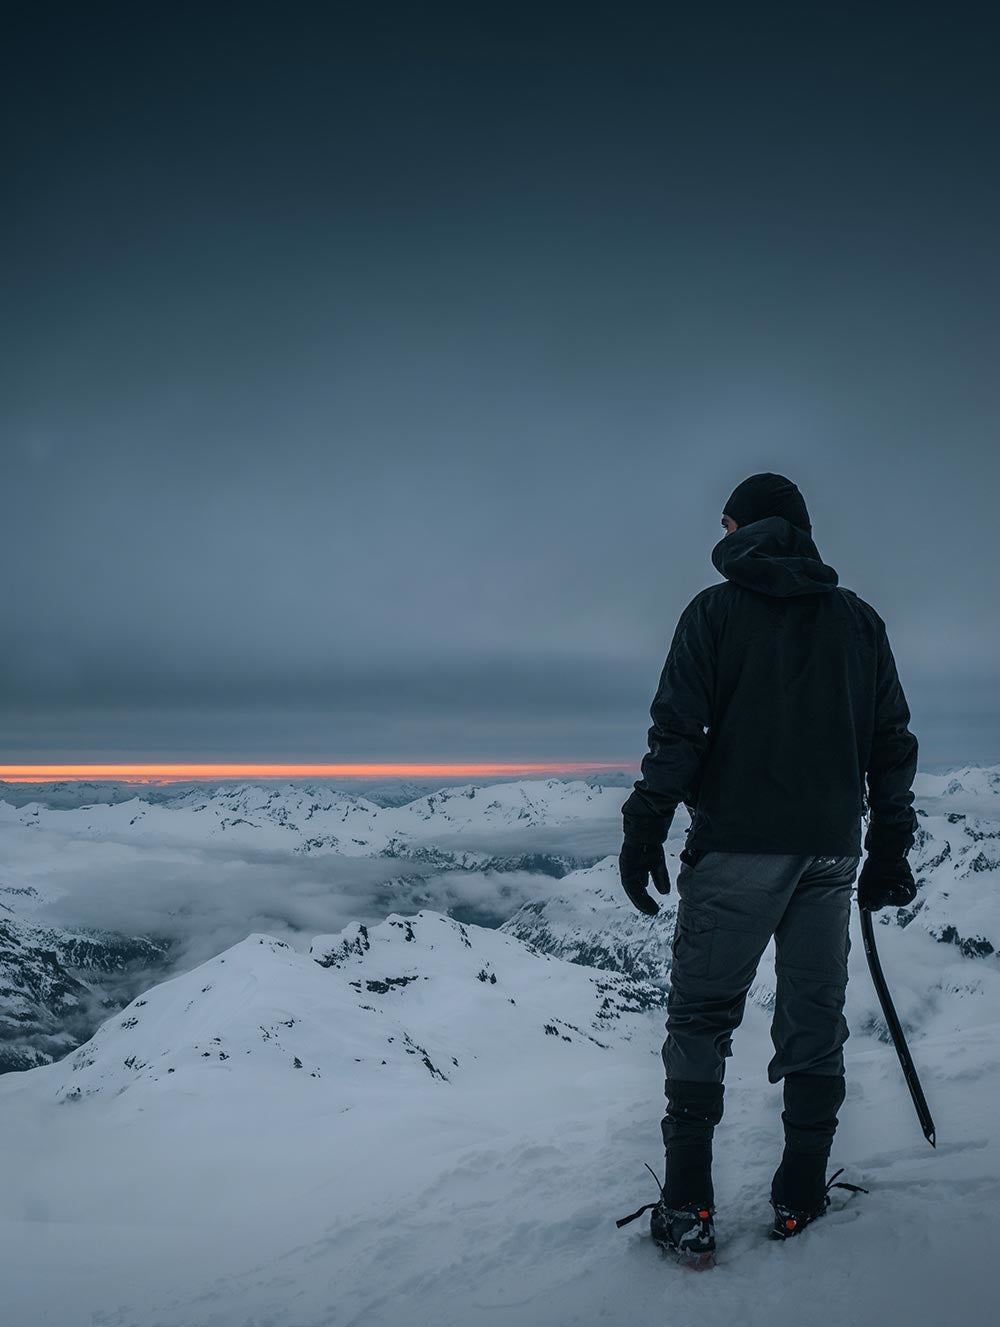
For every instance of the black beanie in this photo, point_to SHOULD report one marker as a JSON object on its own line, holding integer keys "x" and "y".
{"x": 766, "y": 495}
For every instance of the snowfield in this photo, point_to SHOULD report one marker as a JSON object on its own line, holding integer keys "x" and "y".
{"x": 421, "y": 1121}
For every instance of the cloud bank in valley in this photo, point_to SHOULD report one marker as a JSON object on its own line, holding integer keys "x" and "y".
{"x": 202, "y": 898}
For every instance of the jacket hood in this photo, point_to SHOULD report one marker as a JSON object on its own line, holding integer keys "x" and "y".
{"x": 773, "y": 557}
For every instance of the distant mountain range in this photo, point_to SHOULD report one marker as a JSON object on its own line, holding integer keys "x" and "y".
{"x": 314, "y": 819}
{"x": 58, "y": 983}
{"x": 66, "y": 793}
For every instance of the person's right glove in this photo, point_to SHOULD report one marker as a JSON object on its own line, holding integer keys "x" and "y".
{"x": 637, "y": 862}
{"x": 885, "y": 883}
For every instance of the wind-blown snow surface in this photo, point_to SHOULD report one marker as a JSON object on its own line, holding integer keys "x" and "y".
{"x": 420, "y": 1122}
{"x": 424, "y": 1122}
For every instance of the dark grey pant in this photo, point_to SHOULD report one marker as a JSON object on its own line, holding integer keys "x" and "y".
{"x": 731, "y": 903}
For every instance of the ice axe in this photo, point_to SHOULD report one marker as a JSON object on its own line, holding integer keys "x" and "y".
{"x": 896, "y": 1032}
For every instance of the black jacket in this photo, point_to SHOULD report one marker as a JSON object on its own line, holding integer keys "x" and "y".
{"x": 778, "y": 697}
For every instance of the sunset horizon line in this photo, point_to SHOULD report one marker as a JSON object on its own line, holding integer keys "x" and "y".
{"x": 190, "y": 772}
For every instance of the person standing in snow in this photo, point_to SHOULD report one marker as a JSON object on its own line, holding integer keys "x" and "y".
{"x": 778, "y": 699}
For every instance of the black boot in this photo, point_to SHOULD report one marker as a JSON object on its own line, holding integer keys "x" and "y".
{"x": 693, "y": 1111}
{"x": 789, "y": 1221}
{"x": 682, "y": 1220}
{"x": 810, "y": 1122}
{"x": 687, "y": 1231}
{"x": 799, "y": 1189}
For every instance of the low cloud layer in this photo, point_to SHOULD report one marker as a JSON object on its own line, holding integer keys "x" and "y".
{"x": 202, "y": 899}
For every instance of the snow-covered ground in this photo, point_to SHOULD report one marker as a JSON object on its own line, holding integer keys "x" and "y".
{"x": 424, "y": 1122}
{"x": 245, "y": 1190}
{"x": 397, "y": 1138}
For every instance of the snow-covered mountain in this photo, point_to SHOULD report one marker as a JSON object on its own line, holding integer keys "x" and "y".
{"x": 942, "y": 953}
{"x": 56, "y": 982}
{"x": 955, "y": 861}
{"x": 934, "y": 973}
{"x": 470, "y": 826}
{"x": 382, "y": 792}
{"x": 589, "y": 921}
{"x": 372, "y": 1011}
{"x": 315, "y": 819}
{"x": 40, "y": 999}
{"x": 59, "y": 978}
{"x": 969, "y": 781}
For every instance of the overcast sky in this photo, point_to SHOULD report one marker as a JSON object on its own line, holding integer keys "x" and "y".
{"x": 374, "y": 376}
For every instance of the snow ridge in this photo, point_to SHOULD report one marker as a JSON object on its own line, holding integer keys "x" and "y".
{"x": 410, "y": 1002}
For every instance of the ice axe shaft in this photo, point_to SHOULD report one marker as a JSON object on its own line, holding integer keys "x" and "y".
{"x": 895, "y": 1031}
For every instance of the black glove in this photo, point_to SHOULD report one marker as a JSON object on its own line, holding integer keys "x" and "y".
{"x": 885, "y": 882}
{"x": 636, "y": 863}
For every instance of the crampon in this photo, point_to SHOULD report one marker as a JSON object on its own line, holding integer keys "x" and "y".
{"x": 789, "y": 1222}
{"x": 687, "y": 1231}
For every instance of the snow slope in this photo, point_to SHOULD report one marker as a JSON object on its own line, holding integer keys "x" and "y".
{"x": 381, "y": 1134}
{"x": 365, "y": 1014}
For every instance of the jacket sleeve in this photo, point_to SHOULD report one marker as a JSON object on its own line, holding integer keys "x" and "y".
{"x": 681, "y": 712}
{"x": 892, "y": 764}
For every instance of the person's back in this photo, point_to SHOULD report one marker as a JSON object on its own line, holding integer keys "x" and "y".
{"x": 779, "y": 698}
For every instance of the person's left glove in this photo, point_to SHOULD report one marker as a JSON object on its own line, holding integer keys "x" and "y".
{"x": 885, "y": 883}
{"x": 637, "y": 862}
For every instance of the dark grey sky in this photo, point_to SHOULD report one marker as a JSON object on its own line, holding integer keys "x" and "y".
{"x": 374, "y": 376}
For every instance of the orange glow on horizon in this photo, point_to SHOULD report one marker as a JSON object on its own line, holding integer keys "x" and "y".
{"x": 188, "y": 773}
